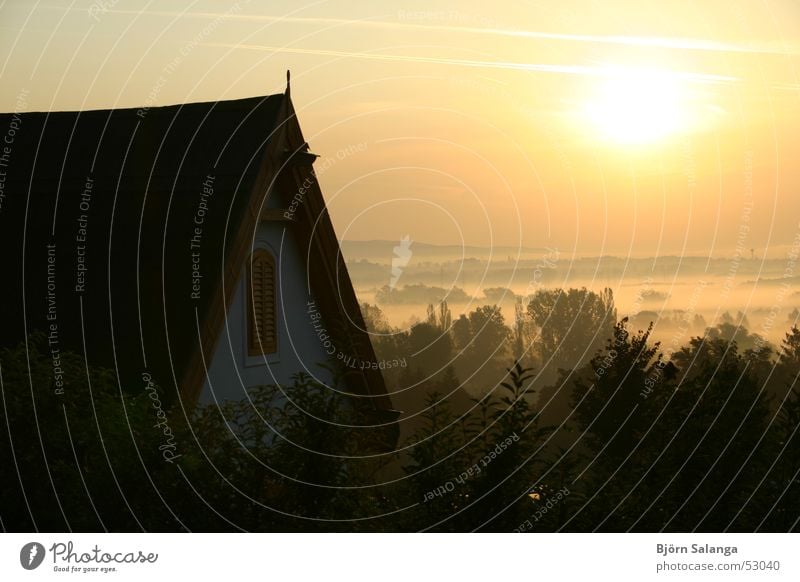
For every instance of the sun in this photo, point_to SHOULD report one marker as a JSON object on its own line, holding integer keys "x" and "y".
{"x": 637, "y": 106}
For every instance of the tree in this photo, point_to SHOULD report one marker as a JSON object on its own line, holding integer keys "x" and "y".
{"x": 476, "y": 473}
{"x": 612, "y": 406}
{"x": 783, "y": 485}
{"x": 736, "y": 330}
{"x": 609, "y": 395}
{"x": 489, "y": 331}
{"x": 714, "y": 440}
{"x": 461, "y": 333}
{"x": 482, "y": 339}
{"x": 523, "y": 335}
{"x": 435, "y": 461}
{"x": 783, "y": 482}
{"x": 512, "y": 474}
{"x": 440, "y": 318}
{"x": 572, "y": 325}
{"x": 290, "y": 456}
{"x": 445, "y": 317}
{"x": 374, "y": 319}
{"x": 89, "y": 459}
{"x": 787, "y": 368}
{"x": 428, "y": 350}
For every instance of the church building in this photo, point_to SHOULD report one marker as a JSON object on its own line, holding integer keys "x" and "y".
{"x": 189, "y": 244}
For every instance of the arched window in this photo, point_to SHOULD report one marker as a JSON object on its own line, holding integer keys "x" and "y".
{"x": 262, "y": 329}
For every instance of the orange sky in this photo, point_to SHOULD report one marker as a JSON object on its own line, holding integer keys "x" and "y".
{"x": 592, "y": 127}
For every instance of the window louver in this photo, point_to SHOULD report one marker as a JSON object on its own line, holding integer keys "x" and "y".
{"x": 262, "y": 322}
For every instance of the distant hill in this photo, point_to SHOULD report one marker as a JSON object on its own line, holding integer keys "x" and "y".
{"x": 382, "y": 251}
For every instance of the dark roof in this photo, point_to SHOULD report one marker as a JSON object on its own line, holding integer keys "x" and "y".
{"x": 143, "y": 171}
{"x": 134, "y": 181}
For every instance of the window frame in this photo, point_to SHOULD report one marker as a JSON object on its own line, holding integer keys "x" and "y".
{"x": 256, "y": 343}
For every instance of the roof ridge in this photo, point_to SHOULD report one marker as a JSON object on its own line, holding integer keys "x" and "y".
{"x": 135, "y": 109}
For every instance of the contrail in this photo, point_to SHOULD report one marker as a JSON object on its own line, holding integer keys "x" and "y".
{"x": 679, "y": 43}
{"x": 594, "y": 71}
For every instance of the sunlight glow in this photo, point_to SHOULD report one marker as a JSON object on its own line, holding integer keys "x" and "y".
{"x": 637, "y": 106}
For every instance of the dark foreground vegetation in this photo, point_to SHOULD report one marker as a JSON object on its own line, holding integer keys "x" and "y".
{"x": 564, "y": 419}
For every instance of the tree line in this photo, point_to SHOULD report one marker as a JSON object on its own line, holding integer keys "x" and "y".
{"x": 566, "y": 418}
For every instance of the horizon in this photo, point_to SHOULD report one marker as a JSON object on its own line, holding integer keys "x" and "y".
{"x": 775, "y": 253}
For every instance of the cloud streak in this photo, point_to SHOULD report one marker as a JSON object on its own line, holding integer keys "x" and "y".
{"x": 673, "y": 43}
{"x": 584, "y": 70}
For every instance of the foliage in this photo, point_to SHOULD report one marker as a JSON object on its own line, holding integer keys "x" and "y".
{"x": 573, "y": 324}
{"x": 621, "y": 438}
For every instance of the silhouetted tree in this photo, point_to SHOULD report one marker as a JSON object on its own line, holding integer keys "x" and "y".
{"x": 572, "y": 325}
{"x": 609, "y": 394}
{"x": 87, "y": 459}
{"x": 732, "y": 329}
{"x": 524, "y": 334}
{"x": 482, "y": 338}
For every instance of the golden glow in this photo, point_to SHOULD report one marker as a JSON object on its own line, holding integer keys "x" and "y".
{"x": 636, "y": 106}
{"x": 578, "y": 109}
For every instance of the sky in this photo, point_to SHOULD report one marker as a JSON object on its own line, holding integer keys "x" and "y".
{"x": 613, "y": 127}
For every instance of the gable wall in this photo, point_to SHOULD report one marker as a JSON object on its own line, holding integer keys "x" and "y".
{"x": 231, "y": 370}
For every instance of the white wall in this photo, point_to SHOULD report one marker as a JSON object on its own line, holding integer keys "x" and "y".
{"x": 231, "y": 371}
